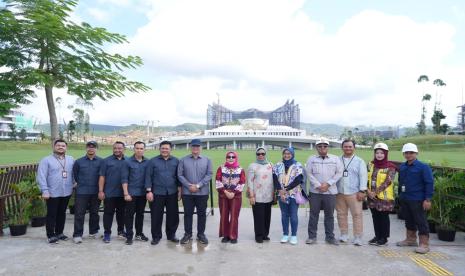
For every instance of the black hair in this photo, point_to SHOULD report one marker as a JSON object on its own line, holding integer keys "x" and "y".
{"x": 59, "y": 141}
{"x": 166, "y": 143}
{"x": 347, "y": 141}
{"x": 119, "y": 142}
{"x": 139, "y": 143}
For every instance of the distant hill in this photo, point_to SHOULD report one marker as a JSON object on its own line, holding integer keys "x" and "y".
{"x": 329, "y": 130}
{"x": 99, "y": 129}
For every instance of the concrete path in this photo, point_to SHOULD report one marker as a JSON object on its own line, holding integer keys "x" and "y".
{"x": 31, "y": 255}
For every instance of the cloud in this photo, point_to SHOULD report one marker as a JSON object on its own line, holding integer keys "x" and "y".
{"x": 261, "y": 53}
{"x": 99, "y": 14}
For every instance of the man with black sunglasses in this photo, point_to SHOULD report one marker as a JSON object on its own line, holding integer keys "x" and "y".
{"x": 323, "y": 171}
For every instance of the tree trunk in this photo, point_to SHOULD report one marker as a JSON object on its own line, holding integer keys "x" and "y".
{"x": 52, "y": 113}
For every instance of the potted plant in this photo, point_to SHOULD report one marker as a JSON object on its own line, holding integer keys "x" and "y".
{"x": 450, "y": 205}
{"x": 38, "y": 213}
{"x": 19, "y": 218}
{"x": 71, "y": 204}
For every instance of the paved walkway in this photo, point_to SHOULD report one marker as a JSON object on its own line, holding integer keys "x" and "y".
{"x": 31, "y": 255}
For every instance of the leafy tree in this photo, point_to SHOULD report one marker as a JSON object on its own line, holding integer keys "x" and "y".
{"x": 71, "y": 128}
{"x": 13, "y": 132}
{"x": 40, "y": 47}
{"x": 436, "y": 120}
{"x": 79, "y": 117}
{"x": 22, "y": 134}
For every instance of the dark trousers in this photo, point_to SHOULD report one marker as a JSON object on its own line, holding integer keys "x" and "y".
{"x": 135, "y": 206}
{"x": 415, "y": 216}
{"x": 198, "y": 202}
{"x": 329, "y": 203}
{"x": 381, "y": 223}
{"x": 84, "y": 202}
{"x": 112, "y": 205}
{"x": 261, "y": 219}
{"x": 56, "y": 215}
{"x": 157, "y": 208}
{"x": 229, "y": 216}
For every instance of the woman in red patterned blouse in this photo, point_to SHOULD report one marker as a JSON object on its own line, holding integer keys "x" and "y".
{"x": 230, "y": 180}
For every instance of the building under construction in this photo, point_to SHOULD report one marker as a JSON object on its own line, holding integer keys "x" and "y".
{"x": 286, "y": 115}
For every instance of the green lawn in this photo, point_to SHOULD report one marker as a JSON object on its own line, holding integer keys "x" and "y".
{"x": 21, "y": 153}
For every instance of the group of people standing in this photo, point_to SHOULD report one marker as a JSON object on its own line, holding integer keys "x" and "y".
{"x": 341, "y": 183}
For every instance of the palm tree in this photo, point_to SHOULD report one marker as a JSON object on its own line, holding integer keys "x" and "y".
{"x": 438, "y": 83}
{"x": 425, "y": 97}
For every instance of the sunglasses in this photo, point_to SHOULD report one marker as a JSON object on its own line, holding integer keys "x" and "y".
{"x": 325, "y": 146}
{"x": 231, "y": 157}
{"x": 260, "y": 154}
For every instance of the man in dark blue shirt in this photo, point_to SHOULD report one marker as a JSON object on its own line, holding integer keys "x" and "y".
{"x": 86, "y": 175}
{"x": 133, "y": 182}
{"x": 111, "y": 191}
{"x": 163, "y": 190}
{"x": 416, "y": 185}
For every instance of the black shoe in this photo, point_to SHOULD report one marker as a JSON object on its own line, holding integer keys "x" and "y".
{"x": 128, "y": 241}
{"x": 141, "y": 237}
{"x": 155, "y": 241}
{"x": 174, "y": 239}
{"x": 259, "y": 239}
{"x": 225, "y": 240}
{"x": 381, "y": 242}
{"x": 373, "y": 241}
{"x": 62, "y": 237}
{"x": 234, "y": 241}
{"x": 186, "y": 239}
{"x": 202, "y": 239}
{"x": 53, "y": 240}
{"x": 266, "y": 238}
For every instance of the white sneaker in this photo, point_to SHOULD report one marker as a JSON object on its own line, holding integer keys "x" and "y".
{"x": 344, "y": 238}
{"x": 357, "y": 241}
{"x": 293, "y": 240}
{"x": 284, "y": 239}
{"x": 77, "y": 240}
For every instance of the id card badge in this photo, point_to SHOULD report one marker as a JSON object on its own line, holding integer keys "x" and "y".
{"x": 64, "y": 174}
{"x": 402, "y": 188}
{"x": 345, "y": 173}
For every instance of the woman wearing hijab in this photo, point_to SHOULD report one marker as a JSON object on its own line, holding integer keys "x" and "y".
{"x": 381, "y": 174}
{"x": 260, "y": 189}
{"x": 230, "y": 180}
{"x": 287, "y": 178}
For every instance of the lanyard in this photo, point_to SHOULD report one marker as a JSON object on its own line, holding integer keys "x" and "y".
{"x": 64, "y": 163}
{"x": 346, "y": 167}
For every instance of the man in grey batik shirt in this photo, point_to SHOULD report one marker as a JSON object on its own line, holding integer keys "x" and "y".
{"x": 195, "y": 173}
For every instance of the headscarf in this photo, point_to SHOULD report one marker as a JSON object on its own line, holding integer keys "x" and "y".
{"x": 236, "y": 161}
{"x": 261, "y": 162}
{"x": 288, "y": 163}
{"x": 383, "y": 164}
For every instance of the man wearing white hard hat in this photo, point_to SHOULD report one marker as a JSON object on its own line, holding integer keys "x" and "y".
{"x": 323, "y": 171}
{"x": 416, "y": 186}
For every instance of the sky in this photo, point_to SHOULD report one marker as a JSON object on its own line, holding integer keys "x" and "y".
{"x": 346, "y": 62}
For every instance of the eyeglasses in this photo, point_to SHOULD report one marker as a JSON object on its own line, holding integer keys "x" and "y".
{"x": 231, "y": 157}
{"x": 260, "y": 154}
{"x": 322, "y": 146}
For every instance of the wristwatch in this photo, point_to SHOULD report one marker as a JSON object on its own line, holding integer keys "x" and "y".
{"x": 363, "y": 192}
{"x": 198, "y": 186}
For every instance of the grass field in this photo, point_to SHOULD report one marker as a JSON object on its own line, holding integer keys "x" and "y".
{"x": 22, "y": 153}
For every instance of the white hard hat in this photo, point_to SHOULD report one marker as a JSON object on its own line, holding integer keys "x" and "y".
{"x": 381, "y": 146}
{"x": 409, "y": 147}
{"x": 322, "y": 141}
